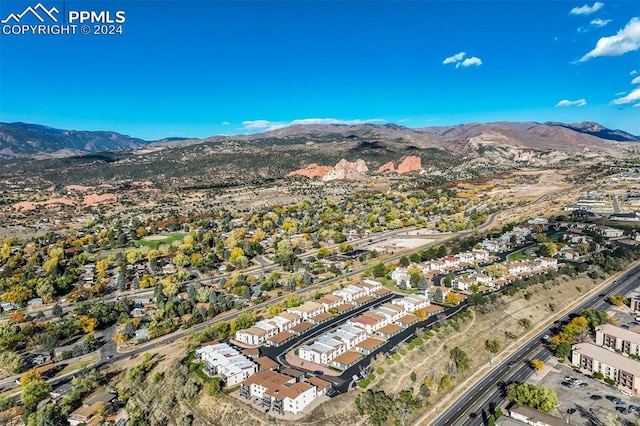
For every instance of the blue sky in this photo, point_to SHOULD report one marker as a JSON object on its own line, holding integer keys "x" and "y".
{"x": 202, "y": 68}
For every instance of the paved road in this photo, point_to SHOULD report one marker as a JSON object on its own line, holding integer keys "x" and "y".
{"x": 108, "y": 356}
{"x": 480, "y": 397}
{"x": 615, "y": 204}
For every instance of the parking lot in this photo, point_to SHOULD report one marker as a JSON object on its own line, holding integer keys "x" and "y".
{"x": 591, "y": 400}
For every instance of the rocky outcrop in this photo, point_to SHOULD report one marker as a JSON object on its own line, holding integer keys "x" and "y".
{"x": 524, "y": 156}
{"x": 28, "y": 205}
{"x": 410, "y": 164}
{"x": 346, "y": 170}
{"x": 313, "y": 170}
{"x": 387, "y": 167}
{"x": 93, "y": 199}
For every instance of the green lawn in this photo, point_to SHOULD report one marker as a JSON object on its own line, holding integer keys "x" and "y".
{"x": 77, "y": 366}
{"x": 518, "y": 255}
{"x": 155, "y": 243}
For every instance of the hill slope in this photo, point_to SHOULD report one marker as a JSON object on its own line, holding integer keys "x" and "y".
{"x": 24, "y": 139}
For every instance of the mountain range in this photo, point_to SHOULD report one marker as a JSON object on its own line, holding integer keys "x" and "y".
{"x": 436, "y": 153}
{"x": 25, "y": 140}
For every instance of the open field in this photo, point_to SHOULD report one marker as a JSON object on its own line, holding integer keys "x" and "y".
{"x": 154, "y": 241}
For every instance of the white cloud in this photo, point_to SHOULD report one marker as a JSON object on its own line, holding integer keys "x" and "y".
{"x": 455, "y": 58}
{"x": 600, "y": 22}
{"x": 567, "y": 102}
{"x": 470, "y": 61}
{"x": 636, "y": 106}
{"x": 633, "y": 72}
{"x": 586, "y": 9}
{"x": 636, "y": 80}
{"x": 620, "y": 94}
{"x": 225, "y": 123}
{"x": 265, "y": 125}
{"x": 634, "y": 96}
{"x": 626, "y": 40}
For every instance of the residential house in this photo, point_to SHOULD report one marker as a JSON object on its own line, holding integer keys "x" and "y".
{"x": 568, "y": 253}
{"x": 530, "y": 416}
{"x": 390, "y": 330}
{"x": 400, "y": 274}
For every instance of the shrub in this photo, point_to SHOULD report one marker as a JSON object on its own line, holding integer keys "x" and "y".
{"x": 609, "y": 381}
{"x": 380, "y": 371}
{"x": 390, "y": 361}
{"x": 396, "y": 357}
{"x": 403, "y": 352}
{"x": 597, "y": 375}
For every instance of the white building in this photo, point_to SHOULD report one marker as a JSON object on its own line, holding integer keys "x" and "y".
{"x": 279, "y": 392}
{"x": 412, "y": 303}
{"x": 307, "y": 310}
{"x": 400, "y": 274}
{"x": 223, "y": 360}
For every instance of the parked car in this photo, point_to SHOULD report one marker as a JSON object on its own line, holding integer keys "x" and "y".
{"x": 624, "y": 392}
{"x": 595, "y": 397}
{"x": 583, "y": 384}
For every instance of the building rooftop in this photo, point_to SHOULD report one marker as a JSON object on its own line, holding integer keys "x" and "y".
{"x": 609, "y": 357}
{"x": 292, "y": 372}
{"x": 370, "y": 343}
{"x": 344, "y": 307}
{"x": 318, "y": 382}
{"x": 323, "y": 316}
{"x": 619, "y": 332}
{"x": 303, "y": 326}
{"x": 347, "y": 358}
{"x": 390, "y": 329}
{"x": 281, "y": 337}
{"x": 265, "y": 363}
{"x": 408, "y": 319}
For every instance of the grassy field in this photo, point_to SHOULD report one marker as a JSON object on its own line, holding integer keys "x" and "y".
{"x": 77, "y": 366}
{"x": 518, "y": 256}
{"x": 154, "y": 241}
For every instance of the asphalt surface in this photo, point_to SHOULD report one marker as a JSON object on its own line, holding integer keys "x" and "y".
{"x": 486, "y": 394}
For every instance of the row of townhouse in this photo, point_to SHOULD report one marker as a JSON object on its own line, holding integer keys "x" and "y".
{"x": 333, "y": 344}
{"x": 225, "y": 361}
{"x": 605, "y": 231}
{"x": 282, "y": 393}
{"x": 516, "y": 236}
{"x": 443, "y": 264}
{"x": 531, "y": 266}
{"x": 340, "y": 347}
{"x": 610, "y": 356}
{"x": 339, "y": 300}
{"x": 265, "y": 329}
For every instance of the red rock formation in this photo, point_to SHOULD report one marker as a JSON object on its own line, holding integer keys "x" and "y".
{"x": 410, "y": 164}
{"x": 77, "y": 188}
{"x": 93, "y": 199}
{"x": 387, "y": 167}
{"x": 313, "y": 170}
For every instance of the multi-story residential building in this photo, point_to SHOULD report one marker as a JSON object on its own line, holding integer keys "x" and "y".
{"x": 279, "y": 392}
{"x": 618, "y": 339}
{"x": 307, "y": 310}
{"x": 400, "y": 274}
{"x": 412, "y": 303}
{"x": 221, "y": 359}
{"x": 624, "y": 371}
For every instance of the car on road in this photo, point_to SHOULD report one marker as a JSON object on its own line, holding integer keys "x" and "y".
{"x": 595, "y": 397}
{"x": 545, "y": 337}
{"x": 318, "y": 373}
{"x": 109, "y": 356}
{"x": 473, "y": 415}
{"x": 510, "y": 364}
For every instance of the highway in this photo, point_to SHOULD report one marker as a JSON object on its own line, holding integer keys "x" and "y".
{"x": 486, "y": 394}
